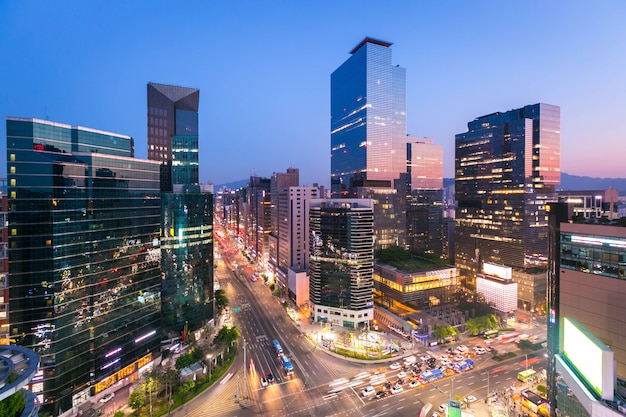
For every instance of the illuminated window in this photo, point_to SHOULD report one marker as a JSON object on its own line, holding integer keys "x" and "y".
{"x": 12, "y": 157}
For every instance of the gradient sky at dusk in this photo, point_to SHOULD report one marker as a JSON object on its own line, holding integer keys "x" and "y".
{"x": 263, "y": 69}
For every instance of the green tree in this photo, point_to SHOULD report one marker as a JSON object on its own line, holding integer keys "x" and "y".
{"x": 441, "y": 332}
{"x": 119, "y": 414}
{"x": 221, "y": 300}
{"x": 136, "y": 399}
{"x": 226, "y": 336}
{"x": 194, "y": 355}
{"x": 13, "y": 405}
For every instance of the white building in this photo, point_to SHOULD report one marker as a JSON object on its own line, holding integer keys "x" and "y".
{"x": 497, "y": 286}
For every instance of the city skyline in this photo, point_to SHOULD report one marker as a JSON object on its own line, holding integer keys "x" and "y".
{"x": 264, "y": 71}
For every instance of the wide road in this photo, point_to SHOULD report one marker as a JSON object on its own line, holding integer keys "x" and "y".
{"x": 261, "y": 319}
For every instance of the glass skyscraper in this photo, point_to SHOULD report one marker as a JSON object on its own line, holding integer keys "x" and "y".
{"x": 506, "y": 167}
{"x": 341, "y": 261}
{"x": 84, "y": 270}
{"x": 368, "y": 119}
{"x": 187, "y": 210}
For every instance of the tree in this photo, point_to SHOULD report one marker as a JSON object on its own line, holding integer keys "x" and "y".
{"x": 226, "y": 336}
{"x": 441, "y": 332}
{"x": 221, "y": 300}
{"x": 119, "y": 413}
{"x": 13, "y": 405}
{"x": 136, "y": 399}
{"x": 194, "y": 355}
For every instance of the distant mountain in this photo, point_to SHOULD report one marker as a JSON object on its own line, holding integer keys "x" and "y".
{"x": 575, "y": 182}
{"x": 233, "y": 185}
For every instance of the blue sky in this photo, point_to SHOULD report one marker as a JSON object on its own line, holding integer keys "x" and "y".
{"x": 263, "y": 69}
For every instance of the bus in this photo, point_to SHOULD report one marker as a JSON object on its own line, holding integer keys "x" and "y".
{"x": 526, "y": 374}
{"x": 491, "y": 334}
{"x": 277, "y": 347}
{"x": 287, "y": 367}
{"x": 508, "y": 337}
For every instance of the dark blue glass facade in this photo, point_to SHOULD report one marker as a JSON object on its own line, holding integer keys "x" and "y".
{"x": 84, "y": 256}
{"x": 506, "y": 168}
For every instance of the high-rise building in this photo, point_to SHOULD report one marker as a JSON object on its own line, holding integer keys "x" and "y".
{"x": 506, "y": 168}
{"x": 258, "y": 218}
{"x": 84, "y": 270}
{"x": 187, "y": 210}
{"x": 173, "y": 132}
{"x": 341, "y": 261}
{"x": 368, "y": 119}
{"x": 4, "y": 264}
{"x": 587, "y": 289}
{"x": 278, "y": 237}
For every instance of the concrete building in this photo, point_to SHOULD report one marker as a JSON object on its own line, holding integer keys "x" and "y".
{"x": 495, "y": 283}
{"x": 587, "y": 289}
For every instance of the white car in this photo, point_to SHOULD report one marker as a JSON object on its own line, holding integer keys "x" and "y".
{"x": 264, "y": 382}
{"x": 462, "y": 348}
{"x": 402, "y": 375}
{"x": 107, "y": 397}
{"x": 443, "y": 407}
{"x": 396, "y": 389}
{"x": 414, "y": 384}
{"x": 469, "y": 399}
{"x": 410, "y": 360}
{"x": 394, "y": 366}
{"x": 368, "y": 391}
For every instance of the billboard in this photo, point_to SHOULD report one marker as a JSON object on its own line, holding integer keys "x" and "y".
{"x": 592, "y": 360}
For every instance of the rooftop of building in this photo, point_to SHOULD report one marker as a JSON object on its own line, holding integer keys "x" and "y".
{"x": 370, "y": 40}
{"x": 410, "y": 260}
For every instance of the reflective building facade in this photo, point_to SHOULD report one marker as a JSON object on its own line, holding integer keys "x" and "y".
{"x": 368, "y": 118}
{"x": 341, "y": 261}
{"x": 506, "y": 168}
{"x": 84, "y": 257}
{"x": 187, "y": 210}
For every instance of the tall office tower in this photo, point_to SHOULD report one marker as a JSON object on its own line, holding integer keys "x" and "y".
{"x": 84, "y": 257}
{"x": 424, "y": 195}
{"x": 368, "y": 119}
{"x": 506, "y": 167}
{"x": 258, "y": 218}
{"x": 279, "y": 184}
{"x": 187, "y": 209}
{"x": 587, "y": 315}
{"x": 389, "y": 215}
{"x": 173, "y": 132}
{"x": 341, "y": 263}
{"x": 4, "y": 265}
{"x": 293, "y": 229}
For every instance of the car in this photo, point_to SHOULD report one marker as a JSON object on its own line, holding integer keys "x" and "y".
{"x": 107, "y": 397}
{"x": 462, "y": 348}
{"x": 264, "y": 382}
{"x": 481, "y": 351}
{"x": 459, "y": 358}
{"x": 410, "y": 360}
{"x": 396, "y": 389}
{"x": 424, "y": 358}
{"x": 443, "y": 407}
{"x": 368, "y": 391}
{"x": 401, "y": 374}
{"x": 414, "y": 383}
{"x": 381, "y": 394}
{"x": 469, "y": 399}
{"x": 394, "y": 366}
{"x": 270, "y": 378}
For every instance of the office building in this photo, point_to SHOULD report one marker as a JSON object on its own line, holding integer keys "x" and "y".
{"x": 4, "y": 264}
{"x": 341, "y": 261}
{"x": 506, "y": 168}
{"x": 278, "y": 234}
{"x": 587, "y": 289}
{"x": 258, "y": 219}
{"x": 368, "y": 119}
{"x": 84, "y": 257}
{"x": 592, "y": 204}
{"x": 495, "y": 283}
{"x": 173, "y": 132}
{"x": 187, "y": 210}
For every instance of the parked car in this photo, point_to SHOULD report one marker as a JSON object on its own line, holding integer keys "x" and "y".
{"x": 107, "y": 397}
